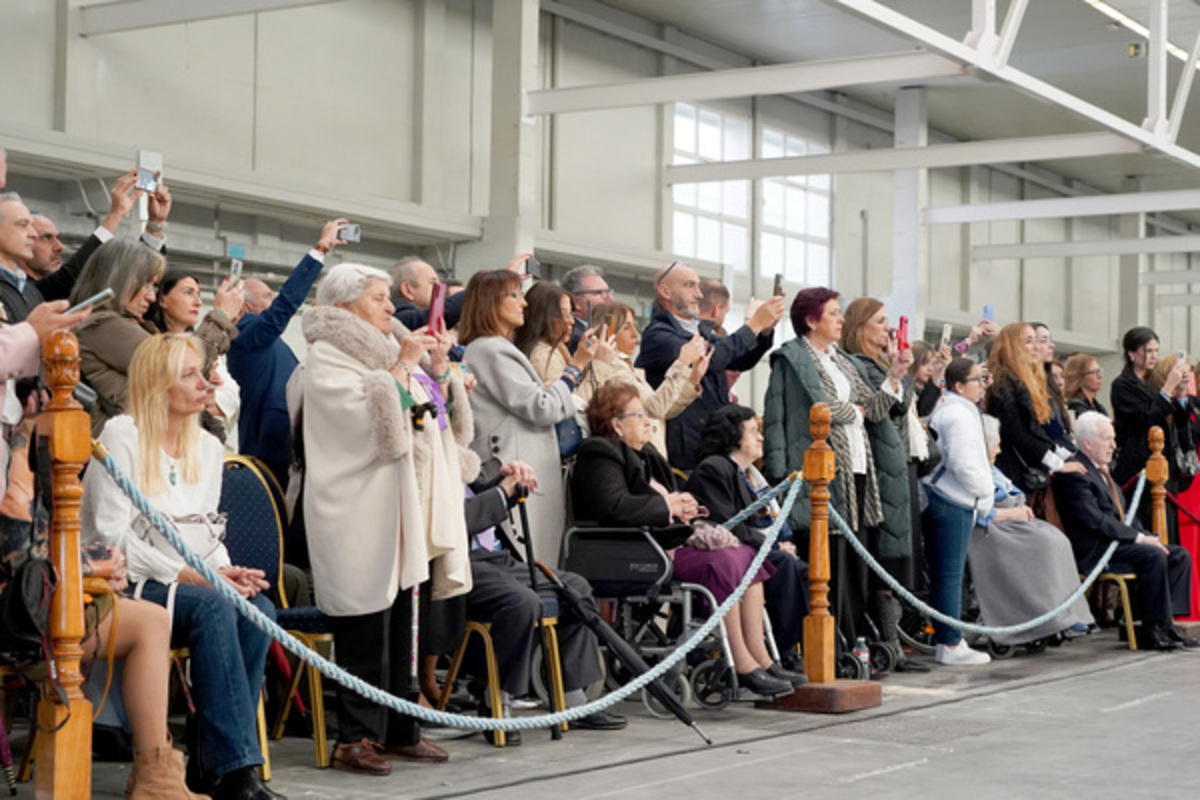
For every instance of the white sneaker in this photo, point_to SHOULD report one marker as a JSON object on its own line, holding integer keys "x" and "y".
{"x": 960, "y": 655}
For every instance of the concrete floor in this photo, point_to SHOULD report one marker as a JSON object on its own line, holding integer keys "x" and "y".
{"x": 1087, "y": 719}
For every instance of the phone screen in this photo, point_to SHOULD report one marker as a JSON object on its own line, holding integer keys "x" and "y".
{"x": 989, "y": 313}
{"x": 947, "y": 332}
{"x": 778, "y": 289}
{"x": 98, "y": 297}
{"x": 235, "y": 271}
{"x": 437, "y": 308}
{"x": 147, "y": 180}
{"x": 902, "y": 334}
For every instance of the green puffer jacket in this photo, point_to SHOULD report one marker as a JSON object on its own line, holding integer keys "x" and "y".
{"x": 794, "y": 387}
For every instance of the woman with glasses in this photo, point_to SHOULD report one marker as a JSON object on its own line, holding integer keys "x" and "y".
{"x": 515, "y": 410}
{"x": 1029, "y": 440}
{"x": 1082, "y": 381}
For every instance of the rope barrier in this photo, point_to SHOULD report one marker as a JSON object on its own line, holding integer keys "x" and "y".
{"x": 969, "y": 627}
{"x": 402, "y": 706}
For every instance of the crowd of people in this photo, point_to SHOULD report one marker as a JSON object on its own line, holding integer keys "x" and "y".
{"x": 408, "y": 434}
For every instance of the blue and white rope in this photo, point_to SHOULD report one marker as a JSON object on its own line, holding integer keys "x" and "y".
{"x": 970, "y": 627}
{"x": 402, "y": 706}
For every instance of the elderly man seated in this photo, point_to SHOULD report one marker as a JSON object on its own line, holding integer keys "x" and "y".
{"x": 1093, "y": 514}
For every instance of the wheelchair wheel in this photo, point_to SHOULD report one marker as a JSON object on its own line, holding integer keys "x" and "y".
{"x": 916, "y": 631}
{"x": 850, "y": 668}
{"x": 712, "y": 684}
{"x": 882, "y": 657}
{"x": 677, "y": 684}
{"x": 1036, "y": 647}
{"x": 999, "y": 651}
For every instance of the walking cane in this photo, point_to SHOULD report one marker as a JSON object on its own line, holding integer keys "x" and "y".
{"x": 521, "y": 492}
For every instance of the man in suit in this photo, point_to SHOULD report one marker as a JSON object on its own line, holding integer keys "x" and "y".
{"x": 587, "y": 288}
{"x": 261, "y": 362}
{"x": 1092, "y": 512}
{"x": 675, "y": 321}
{"x": 412, "y": 294}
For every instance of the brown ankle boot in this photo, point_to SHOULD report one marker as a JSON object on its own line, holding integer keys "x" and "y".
{"x": 158, "y": 775}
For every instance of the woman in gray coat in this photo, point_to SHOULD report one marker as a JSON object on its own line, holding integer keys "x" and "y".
{"x": 515, "y": 413}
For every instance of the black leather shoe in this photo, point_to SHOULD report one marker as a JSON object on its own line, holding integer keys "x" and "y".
{"x": 1176, "y": 634}
{"x": 1156, "y": 639}
{"x": 599, "y": 721}
{"x": 761, "y": 682}
{"x": 778, "y": 671}
{"x": 243, "y": 784}
{"x": 511, "y": 738}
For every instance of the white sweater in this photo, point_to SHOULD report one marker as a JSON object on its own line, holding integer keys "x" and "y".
{"x": 964, "y": 477}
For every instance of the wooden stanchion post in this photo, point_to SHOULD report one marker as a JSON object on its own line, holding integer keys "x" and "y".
{"x": 824, "y": 692}
{"x": 64, "y": 758}
{"x": 1157, "y": 472}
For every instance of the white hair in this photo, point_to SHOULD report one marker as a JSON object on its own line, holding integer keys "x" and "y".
{"x": 991, "y": 431}
{"x": 1090, "y": 424}
{"x": 345, "y": 283}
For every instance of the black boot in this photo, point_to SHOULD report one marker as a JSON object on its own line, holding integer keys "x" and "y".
{"x": 243, "y": 784}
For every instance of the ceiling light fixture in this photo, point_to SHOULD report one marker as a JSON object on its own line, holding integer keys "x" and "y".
{"x": 1123, "y": 19}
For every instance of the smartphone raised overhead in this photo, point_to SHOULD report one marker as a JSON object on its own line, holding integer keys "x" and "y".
{"x": 777, "y": 290}
{"x": 437, "y": 309}
{"x": 947, "y": 332}
{"x": 902, "y": 334}
{"x": 533, "y": 268}
{"x": 98, "y": 297}
{"x": 989, "y": 313}
{"x": 351, "y": 233}
{"x": 147, "y": 180}
{"x": 235, "y": 270}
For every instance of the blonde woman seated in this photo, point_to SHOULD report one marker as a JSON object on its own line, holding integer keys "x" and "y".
{"x": 385, "y": 475}
{"x": 160, "y": 446}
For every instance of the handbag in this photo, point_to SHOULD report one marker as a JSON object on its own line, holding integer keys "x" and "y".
{"x": 204, "y": 533}
{"x": 708, "y": 535}
{"x": 25, "y": 613}
{"x": 1032, "y": 478}
{"x": 570, "y": 436}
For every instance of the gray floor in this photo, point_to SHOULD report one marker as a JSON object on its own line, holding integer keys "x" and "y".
{"x": 1087, "y": 719}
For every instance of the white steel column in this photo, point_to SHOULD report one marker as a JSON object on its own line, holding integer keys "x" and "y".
{"x": 910, "y": 190}
{"x": 430, "y": 92}
{"x": 1130, "y": 226}
{"x": 508, "y": 228}
{"x": 1156, "y": 70}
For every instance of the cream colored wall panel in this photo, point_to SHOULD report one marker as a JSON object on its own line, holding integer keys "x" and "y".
{"x": 947, "y": 261}
{"x": 27, "y": 63}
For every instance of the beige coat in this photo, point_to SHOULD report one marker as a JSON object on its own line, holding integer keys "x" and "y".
{"x": 672, "y": 396}
{"x": 382, "y": 501}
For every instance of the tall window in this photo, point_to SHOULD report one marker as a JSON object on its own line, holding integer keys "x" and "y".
{"x": 712, "y": 220}
{"x": 795, "y": 215}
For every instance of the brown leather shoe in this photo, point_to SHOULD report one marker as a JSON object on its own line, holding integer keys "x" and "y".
{"x": 423, "y": 750}
{"x": 362, "y": 757}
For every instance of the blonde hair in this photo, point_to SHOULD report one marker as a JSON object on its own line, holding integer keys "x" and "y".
{"x": 1157, "y": 377}
{"x": 156, "y": 366}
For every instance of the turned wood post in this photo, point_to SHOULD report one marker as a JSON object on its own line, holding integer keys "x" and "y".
{"x": 819, "y": 626}
{"x": 64, "y": 758}
{"x": 1157, "y": 472}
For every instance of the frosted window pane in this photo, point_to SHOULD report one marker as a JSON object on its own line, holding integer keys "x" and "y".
{"x": 795, "y": 147}
{"x": 795, "y": 260}
{"x": 710, "y": 135}
{"x": 735, "y": 246}
{"x": 818, "y": 264}
{"x": 770, "y": 257}
{"x": 818, "y": 215}
{"x": 708, "y": 239}
{"x": 710, "y": 197}
{"x": 772, "y": 145}
{"x": 819, "y": 182}
{"x": 684, "y": 235}
{"x": 684, "y": 194}
{"x": 735, "y": 199}
{"x": 737, "y": 139}
{"x": 685, "y": 127}
{"x": 773, "y": 204}
{"x": 795, "y": 209}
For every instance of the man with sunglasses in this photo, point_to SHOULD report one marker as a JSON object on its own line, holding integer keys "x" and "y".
{"x": 676, "y": 319}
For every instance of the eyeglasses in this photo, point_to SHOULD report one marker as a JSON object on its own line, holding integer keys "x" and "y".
{"x": 638, "y": 414}
{"x": 605, "y": 292}
{"x": 980, "y": 379}
{"x": 1096, "y": 371}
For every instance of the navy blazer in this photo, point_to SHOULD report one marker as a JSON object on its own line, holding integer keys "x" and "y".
{"x": 261, "y": 363}
{"x": 661, "y": 343}
{"x": 1088, "y": 513}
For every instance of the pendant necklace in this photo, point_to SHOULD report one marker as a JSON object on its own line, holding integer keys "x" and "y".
{"x": 172, "y": 473}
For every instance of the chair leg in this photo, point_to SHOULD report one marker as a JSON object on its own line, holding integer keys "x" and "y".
{"x": 265, "y": 770}
{"x": 1127, "y": 610}
{"x": 452, "y": 673}
{"x": 558, "y": 693}
{"x": 286, "y": 710}
{"x": 316, "y": 702}
{"x": 493, "y": 679}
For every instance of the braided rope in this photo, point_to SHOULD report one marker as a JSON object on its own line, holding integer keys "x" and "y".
{"x": 969, "y": 627}
{"x": 400, "y": 705}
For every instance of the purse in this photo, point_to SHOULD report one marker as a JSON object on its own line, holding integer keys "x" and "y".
{"x": 570, "y": 436}
{"x": 1032, "y": 478}
{"x": 708, "y": 535}
{"x": 25, "y": 613}
{"x": 204, "y": 533}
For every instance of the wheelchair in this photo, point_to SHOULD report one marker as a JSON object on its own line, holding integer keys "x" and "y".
{"x": 655, "y": 613}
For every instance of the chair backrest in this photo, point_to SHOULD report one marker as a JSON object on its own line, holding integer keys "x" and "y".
{"x": 254, "y": 530}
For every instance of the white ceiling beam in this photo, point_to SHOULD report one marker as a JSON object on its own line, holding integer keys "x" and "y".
{"x": 1057, "y": 207}
{"x": 955, "y": 154}
{"x": 1086, "y": 247}
{"x": 879, "y": 14}
{"x": 809, "y": 76}
{"x": 1156, "y": 69}
{"x": 131, "y": 15}
{"x": 1177, "y": 300}
{"x": 1008, "y": 33}
{"x": 1173, "y": 276}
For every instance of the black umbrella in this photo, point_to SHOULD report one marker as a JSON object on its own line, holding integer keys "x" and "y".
{"x": 620, "y": 648}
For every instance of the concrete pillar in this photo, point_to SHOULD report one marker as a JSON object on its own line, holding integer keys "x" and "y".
{"x": 910, "y": 195}
{"x": 512, "y": 215}
{"x": 1131, "y": 226}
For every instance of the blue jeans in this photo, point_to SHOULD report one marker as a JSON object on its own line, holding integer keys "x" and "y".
{"x": 948, "y": 531}
{"x": 228, "y": 657}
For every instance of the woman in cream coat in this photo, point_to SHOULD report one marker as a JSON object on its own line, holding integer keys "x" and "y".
{"x": 383, "y": 497}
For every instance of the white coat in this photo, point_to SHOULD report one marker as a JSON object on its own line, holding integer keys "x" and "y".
{"x": 381, "y": 500}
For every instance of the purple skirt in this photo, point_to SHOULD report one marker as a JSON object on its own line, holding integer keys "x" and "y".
{"x": 719, "y": 571}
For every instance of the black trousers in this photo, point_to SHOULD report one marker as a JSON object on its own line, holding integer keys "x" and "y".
{"x": 502, "y": 596}
{"x": 1163, "y": 588}
{"x": 377, "y": 648}
{"x": 786, "y": 594}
